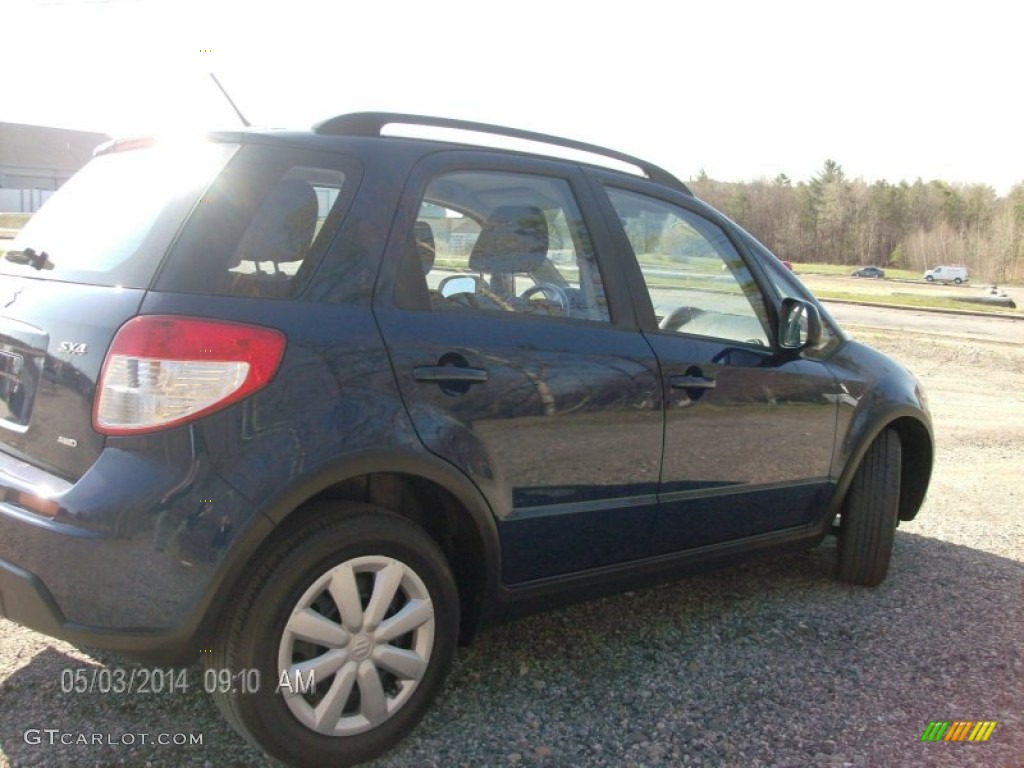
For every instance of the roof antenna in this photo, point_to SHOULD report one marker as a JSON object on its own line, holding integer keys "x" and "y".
{"x": 238, "y": 112}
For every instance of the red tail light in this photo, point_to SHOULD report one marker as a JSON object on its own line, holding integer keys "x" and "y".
{"x": 164, "y": 370}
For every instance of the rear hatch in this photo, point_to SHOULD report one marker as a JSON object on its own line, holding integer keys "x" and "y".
{"x": 74, "y": 275}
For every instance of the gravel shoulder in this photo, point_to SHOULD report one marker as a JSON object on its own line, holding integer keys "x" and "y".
{"x": 767, "y": 664}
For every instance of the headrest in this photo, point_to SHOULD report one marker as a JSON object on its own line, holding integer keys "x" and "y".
{"x": 424, "y": 245}
{"x": 283, "y": 227}
{"x": 514, "y": 239}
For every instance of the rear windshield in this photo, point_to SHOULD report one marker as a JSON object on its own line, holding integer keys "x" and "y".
{"x": 112, "y": 223}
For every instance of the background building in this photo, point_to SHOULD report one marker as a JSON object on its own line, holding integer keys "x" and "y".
{"x": 36, "y": 160}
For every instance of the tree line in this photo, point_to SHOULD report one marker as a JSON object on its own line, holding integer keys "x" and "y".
{"x": 835, "y": 220}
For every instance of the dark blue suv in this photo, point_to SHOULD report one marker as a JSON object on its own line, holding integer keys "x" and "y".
{"x": 328, "y": 402}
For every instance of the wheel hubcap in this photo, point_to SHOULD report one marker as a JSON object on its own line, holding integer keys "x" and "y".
{"x": 356, "y": 645}
{"x": 361, "y": 647}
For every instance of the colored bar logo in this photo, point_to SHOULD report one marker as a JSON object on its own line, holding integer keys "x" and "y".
{"x": 958, "y": 730}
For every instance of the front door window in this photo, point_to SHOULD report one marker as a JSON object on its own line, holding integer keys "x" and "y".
{"x": 697, "y": 281}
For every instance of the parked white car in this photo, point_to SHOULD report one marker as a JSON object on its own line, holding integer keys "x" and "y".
{"x": 956, "y": 275}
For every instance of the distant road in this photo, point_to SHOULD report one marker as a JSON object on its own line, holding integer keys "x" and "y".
{"x": 917, "y": 321}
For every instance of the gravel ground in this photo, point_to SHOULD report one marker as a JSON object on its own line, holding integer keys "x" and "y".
{"x": 768, "y": 664}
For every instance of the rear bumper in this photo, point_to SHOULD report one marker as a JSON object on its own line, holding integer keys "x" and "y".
{"x": 133, "y": 556}
{"x": 25, "y": 600}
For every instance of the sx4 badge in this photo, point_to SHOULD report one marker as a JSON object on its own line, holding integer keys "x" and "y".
{"x": 74, "y": 347}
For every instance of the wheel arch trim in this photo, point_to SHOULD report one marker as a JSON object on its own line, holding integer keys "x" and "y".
{"x": 918, "y": 455}
{"x": 181, "y": 644}
{"x": 408, "y": 463}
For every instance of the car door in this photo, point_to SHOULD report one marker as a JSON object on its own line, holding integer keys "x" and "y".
{"x": 520, "y": 360}
{"x": 749, "y": 429}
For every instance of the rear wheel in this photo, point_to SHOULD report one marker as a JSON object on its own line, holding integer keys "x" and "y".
{"x": 351, "y": 621}
{"x": 870, "y": 512}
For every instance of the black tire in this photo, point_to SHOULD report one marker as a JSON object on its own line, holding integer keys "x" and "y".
{"x": 361, "y": 552}
{"x": 930, "y": 279}
{"x": 870, "y": 513}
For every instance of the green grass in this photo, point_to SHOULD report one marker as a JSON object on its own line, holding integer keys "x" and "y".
{"x": 906, "y": 300}
{"x": 14, "y": 220}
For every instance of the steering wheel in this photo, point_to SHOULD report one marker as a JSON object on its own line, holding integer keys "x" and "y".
{"x": 551, "y": 292}
{"x": 679, "y": 317}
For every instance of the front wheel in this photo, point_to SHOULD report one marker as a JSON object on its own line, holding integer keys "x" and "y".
{"x": 867, "y": 526}
{"x": 351, "y": 620}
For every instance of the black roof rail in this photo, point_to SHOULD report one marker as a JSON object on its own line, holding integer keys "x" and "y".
{"x": 371, "y": 124}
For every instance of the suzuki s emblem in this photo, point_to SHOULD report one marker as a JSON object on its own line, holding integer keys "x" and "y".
{"x": 74, "y": 347}
{"x": 14, "y": 298}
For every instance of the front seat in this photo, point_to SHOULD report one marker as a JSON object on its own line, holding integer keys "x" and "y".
{"x": 514, "y": 240}
{"x": 425, "y": 248}
{"x": 280, "y": 233}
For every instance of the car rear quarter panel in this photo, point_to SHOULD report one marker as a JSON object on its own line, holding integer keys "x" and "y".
{"x": 163, "y": 510}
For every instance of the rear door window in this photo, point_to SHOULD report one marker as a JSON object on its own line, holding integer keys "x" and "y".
{"x": 507, "y": 242}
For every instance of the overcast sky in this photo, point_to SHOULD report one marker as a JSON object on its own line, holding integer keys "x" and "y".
{"x": 743, "y": 89}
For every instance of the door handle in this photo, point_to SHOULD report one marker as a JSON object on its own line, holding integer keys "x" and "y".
{"x": 449, "y": 374}
{"x": 691, "y": 382}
